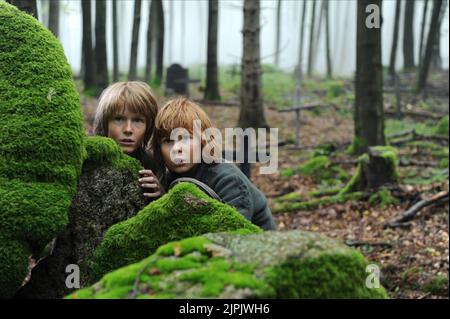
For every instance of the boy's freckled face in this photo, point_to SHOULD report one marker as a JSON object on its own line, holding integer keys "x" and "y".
{"x": 128, "y": 130}
{"x": 178, "y": 155}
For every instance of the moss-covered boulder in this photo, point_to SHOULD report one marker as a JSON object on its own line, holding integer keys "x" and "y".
{"x": 108, "y": 192}
{"x": 41, "y": 142}
{"x": 183, "y": 212}
{"x": 292, "y": 264}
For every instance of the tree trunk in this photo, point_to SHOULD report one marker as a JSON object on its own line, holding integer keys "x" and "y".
{"x": 170, "y": 38}
{"x": 431, "y": 40}
{"x": 212, "y": 83}
{"x": 88, "y": 65}
{"x": 148, "y": 58}
{"x": 100, "y": 45}
{"x": 436, "y": 60}
{"x": 28, "y": 6}
{"x": 408, "y": 35}
{"x": 327, "y": 34}
{"x": 422, "y": 31}
{"x": 369, "y": 115}
{"x": 159, "y": 36}
{"x": 252, "y": 111}
{"x": 300, "y": 45}
{"x": 277, "y": 34}
{"x": 398, "y": 8}
{"x": 311, "y": 39}
{"x": 135, "y": 40}
{"x": 115, "y": 42}
{"x": 53, "y": 19}
{"x": 318, "y": 33}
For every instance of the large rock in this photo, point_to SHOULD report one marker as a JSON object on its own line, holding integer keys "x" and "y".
{"x": 185, "y": 211}
{"x": 292, "y": 264}
{"x": 108, "y": 192}
{"x": 41, "y": 142}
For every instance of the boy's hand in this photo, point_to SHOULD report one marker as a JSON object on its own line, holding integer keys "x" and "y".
{"x": 150, "y": 183}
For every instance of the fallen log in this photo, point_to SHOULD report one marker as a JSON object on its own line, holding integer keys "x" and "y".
{"x": 409, "y": 214}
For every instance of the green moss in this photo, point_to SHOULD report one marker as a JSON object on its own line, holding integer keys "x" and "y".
{"x": 286, "y": 206}
{"x": 442, "y": 127}
{"x": 290, "y": 197}
{"x": 13, "y": 264}
{"x": 383, "y": 198}
{"x": 443, "y": 163}
{"x": 357, "y": 144}
{"x": 438, "y": 285}
{"x": 105, "y": 151}
{"x": 183, "y": 212}
{"x": 331, "y": 271}
{"x": 41, "y": 144}
{"x": 387, "y": 152}
{"x": 335, "y": 89}
{"x": 265, "y": 265}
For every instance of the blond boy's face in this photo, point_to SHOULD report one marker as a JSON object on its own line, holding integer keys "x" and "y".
{"x": 128, "y": 130}
{"x": 178, "y": 155}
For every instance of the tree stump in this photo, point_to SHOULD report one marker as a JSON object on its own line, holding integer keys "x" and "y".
{"x": 376, "y": 168}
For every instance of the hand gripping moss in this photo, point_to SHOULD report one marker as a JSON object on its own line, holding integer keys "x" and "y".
{"x": 41, "y": 142}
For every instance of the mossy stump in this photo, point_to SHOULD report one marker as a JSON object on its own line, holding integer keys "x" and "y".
{"x": 376, "y": 168}
{"x": 41, "y": 142}
{"x": 292, "y": 264}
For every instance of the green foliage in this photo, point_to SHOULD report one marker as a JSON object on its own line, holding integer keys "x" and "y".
{"x": 393, "y": 126}
{"x": 335, "y": 89}
{"x": 442, "y": 127}
{"x": 383, "y": 198}
{"x": 438, "y": 285}
{"x": 41, "y": 144}
{"x": 183, "y": 212}
{"x": 443, "y": 163}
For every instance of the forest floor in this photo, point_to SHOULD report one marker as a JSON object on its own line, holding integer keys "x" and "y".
{"x": 413, "y": 260}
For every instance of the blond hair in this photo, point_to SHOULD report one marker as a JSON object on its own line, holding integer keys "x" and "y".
{"x": 180, "y": 112}
{"x": 136, "y": 96}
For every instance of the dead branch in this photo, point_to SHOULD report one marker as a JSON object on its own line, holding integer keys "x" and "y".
{"x": 419, "y": 137}
{"x": 368, "y": 243}
{"x": 411, "y": 212}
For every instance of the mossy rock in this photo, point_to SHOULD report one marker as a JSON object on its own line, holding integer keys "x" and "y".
{"x": 292, "y": 264}
{"x": 108, "y": 192}
{"x": 41, "y": 143}
{"x": 183, "y": 212}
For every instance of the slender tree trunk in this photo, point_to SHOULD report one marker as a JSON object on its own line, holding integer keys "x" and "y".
{"x": 431, "y": 39}
{"x": 159, "y": 41}
{"x": 28, "y": 6}
{"x": 278, "y": 35}
{"x": 300, "y": 45}
{"x": 183, "y": 29}
{"x": 408, "y": 35}
{"x": 132, "y": 73}
{"x": 398, "y": 8}
{"x": 88, "y": 65}
{"x": 369, "y": 114}
{"x": 115, "y": 42}
{"x": 327, "y": 34}
{"x": 148, "y": 59}
{"x": 436, "y": 60}
{"x": 252, "y": 111}
{"x": 170, "y": 31}
{"x": 212, "y": 76}
{"x": 422, "y": 31}
{"x": 318, "y": 32}
{"x": 100, "y": 45}
{"x": 53, "y": 19}
{"x": 311, "y": 39}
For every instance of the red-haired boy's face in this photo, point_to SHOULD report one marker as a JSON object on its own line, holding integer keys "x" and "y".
{"x": 128, "y": 130}
{"x": 178, "y": 155}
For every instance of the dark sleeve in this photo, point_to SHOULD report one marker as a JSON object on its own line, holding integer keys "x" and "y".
{"x": 234, "y": 192}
